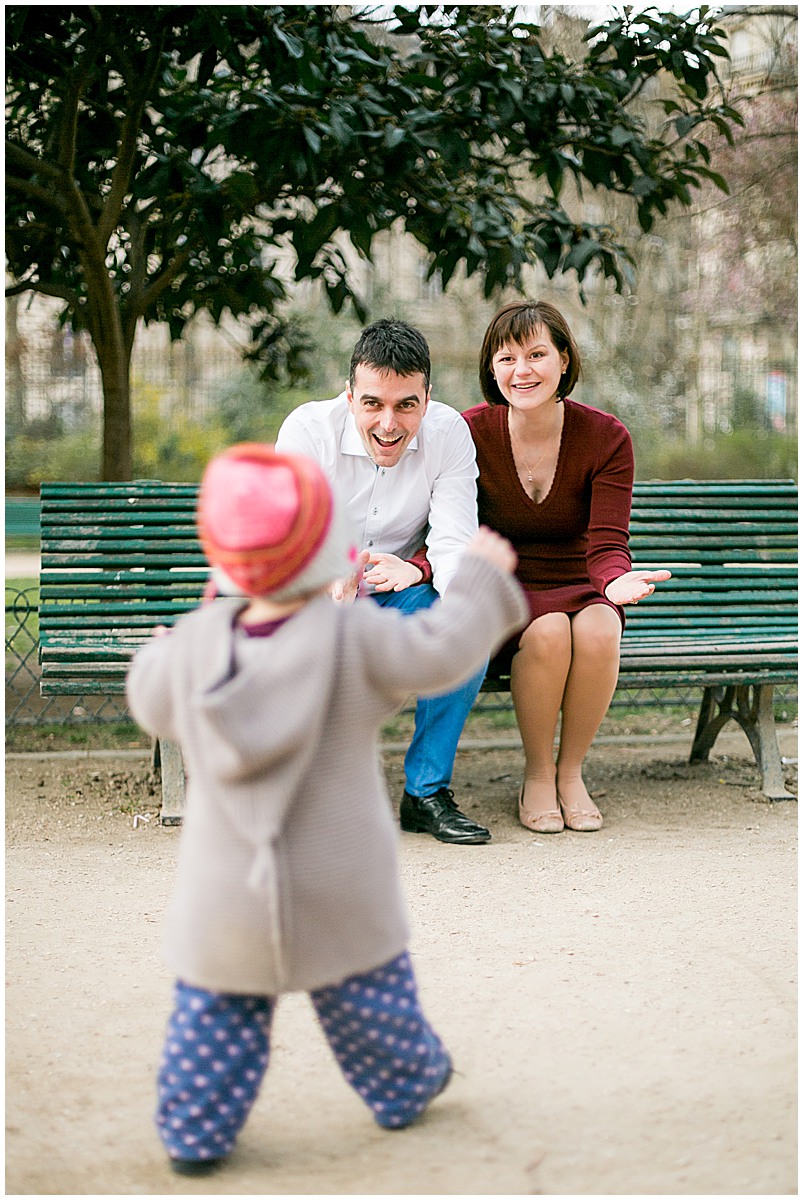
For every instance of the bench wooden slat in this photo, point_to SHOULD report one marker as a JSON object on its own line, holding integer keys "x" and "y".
{"x": 687, "y": 580}
{"x": 89, "y": 686}
{"x": 701, "y": 660}
{"x": 117, "y": 539}
{"x": 668, "y": 602}
{"x": 119, "y": 562}
{"x": 768, "y": 490}
{"x": 139, "y": 489}
{"x": 711, "y": 558}
{"x": 710, "y": 678}
{"x": 706, "y": 522}
{"x": 52, "y": 596}
{"x": 116, "y": 622}
{"x": 735, "y": 559}
{"x": 167, "y": 583}
{"x": 74, "y": 515}
{"x": 740, "y": 635}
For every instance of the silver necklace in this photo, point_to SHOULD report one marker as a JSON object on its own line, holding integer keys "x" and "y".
{"x": 527, "y": 466}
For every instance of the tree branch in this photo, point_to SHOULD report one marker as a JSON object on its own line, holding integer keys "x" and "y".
{"x": 137, "y": 229}
{"x": 106, "y": 22}
{"x": 35, "y": 191}
{"x": 29, "y": 162}
{"x": 72, "y": 204}
{"x": 765, "y": 136}
{"x": 759, "y": 181}
{"x": 159, "y": 284}
{"x": 769, "y": 10}
{"x": 121, "y": 179}
{"x": 44, "y": 289}
{"x": 68, "y": 126}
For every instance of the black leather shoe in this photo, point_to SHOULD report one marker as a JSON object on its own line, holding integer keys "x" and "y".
{"x": 439, "y": 815}
{"x": 195, "y": 1166}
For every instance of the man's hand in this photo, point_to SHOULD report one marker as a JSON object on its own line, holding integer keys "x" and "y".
{"x": 344, "y": 591}
{"x": 634, "y": 586}
{"x": 494, "y": 549}
{"x": 391, "y": 574}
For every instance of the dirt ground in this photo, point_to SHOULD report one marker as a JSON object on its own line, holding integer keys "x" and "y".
{"x": 620, "y": 1006}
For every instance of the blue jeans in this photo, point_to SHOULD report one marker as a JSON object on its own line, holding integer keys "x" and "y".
{"x": 439, "y": 720}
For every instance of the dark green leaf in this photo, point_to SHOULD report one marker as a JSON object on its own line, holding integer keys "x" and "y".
{"x": 294, "y": 47}
{"x": 312, "y": 139}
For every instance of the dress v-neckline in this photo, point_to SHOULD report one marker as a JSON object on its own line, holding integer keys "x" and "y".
{"x": 509, "y": 442}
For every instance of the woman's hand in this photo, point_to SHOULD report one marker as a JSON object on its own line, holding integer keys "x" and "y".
{"x": 634, "y": 586}
{"x": 494, "y": 549}
{"x": 391, "y": 574}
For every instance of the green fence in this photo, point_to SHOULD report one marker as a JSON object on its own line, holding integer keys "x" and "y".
{"x": 22, "y": 521}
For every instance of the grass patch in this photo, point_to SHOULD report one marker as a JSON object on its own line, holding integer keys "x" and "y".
{"x": 38, "y": 739}
{"x": 22, "y": 620}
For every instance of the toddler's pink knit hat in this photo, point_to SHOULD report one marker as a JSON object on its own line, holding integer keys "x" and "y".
{"x": 270, "y": 525}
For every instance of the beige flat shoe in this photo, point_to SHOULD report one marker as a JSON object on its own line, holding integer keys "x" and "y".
{"x": 581, "y": 820}
{"x": 549, "y": 821}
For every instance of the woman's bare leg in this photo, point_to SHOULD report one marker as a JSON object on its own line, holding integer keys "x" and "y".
{"x": 537, "y": 681}
{"x": 591, "y": 682}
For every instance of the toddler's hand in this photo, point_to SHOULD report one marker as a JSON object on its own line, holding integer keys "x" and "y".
{"x": 494, "y": 549}
{"x": 345, "y": 591}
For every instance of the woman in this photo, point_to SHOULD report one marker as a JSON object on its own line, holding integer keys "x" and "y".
{"x": 556, "y": 479}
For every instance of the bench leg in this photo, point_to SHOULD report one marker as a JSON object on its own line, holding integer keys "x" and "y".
{"x": 716, "y": 710}
{"x": 764, "y": 740}
{"x": 167, "y": 757}
{"x": 753, "y": 713}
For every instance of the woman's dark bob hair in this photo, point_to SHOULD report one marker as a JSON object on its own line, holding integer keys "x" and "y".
{"x": 515, "y": 323}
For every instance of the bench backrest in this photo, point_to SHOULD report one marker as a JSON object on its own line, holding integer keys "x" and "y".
{"x": 732, "y": 549}
{"x": 118, "y": 559}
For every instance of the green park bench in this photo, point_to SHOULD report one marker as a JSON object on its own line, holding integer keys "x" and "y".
{"x": 118, "y": 559}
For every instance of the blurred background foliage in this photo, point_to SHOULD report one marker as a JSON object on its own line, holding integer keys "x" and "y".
{"x": 697, "y": 356}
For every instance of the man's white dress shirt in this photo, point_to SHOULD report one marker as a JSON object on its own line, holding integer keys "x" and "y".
{"x": 430, "y": 494}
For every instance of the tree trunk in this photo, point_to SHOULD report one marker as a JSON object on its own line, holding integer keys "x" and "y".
{"x": 15, "y": 379}
{"x": 117, "y": 456}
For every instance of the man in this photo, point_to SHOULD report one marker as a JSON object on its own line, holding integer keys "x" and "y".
{"x": 406, "y": 468}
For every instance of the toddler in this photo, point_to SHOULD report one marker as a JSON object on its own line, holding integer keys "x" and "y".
{"x": 287, "y": 876}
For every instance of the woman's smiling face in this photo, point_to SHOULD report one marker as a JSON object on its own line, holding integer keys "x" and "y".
{"x": 528, "y": 374}
{"x": 388, "y": 409}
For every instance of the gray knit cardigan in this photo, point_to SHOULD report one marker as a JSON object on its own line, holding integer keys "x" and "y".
{"x": 287, "y": 873}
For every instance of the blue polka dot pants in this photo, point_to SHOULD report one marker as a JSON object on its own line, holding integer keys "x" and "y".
{"x": 217, "y": 1048}
{"x": 386, "y": 1049}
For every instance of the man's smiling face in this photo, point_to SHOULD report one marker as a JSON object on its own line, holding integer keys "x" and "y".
{"x": 388, "y": 409}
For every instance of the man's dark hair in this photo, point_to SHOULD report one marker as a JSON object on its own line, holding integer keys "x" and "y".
{"x": 391, "y": 345}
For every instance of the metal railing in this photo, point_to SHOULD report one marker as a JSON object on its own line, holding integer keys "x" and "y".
{"x": 24, "y": 704}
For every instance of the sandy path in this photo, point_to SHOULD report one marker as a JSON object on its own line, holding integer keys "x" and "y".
{"x": 620, "y": 1006}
